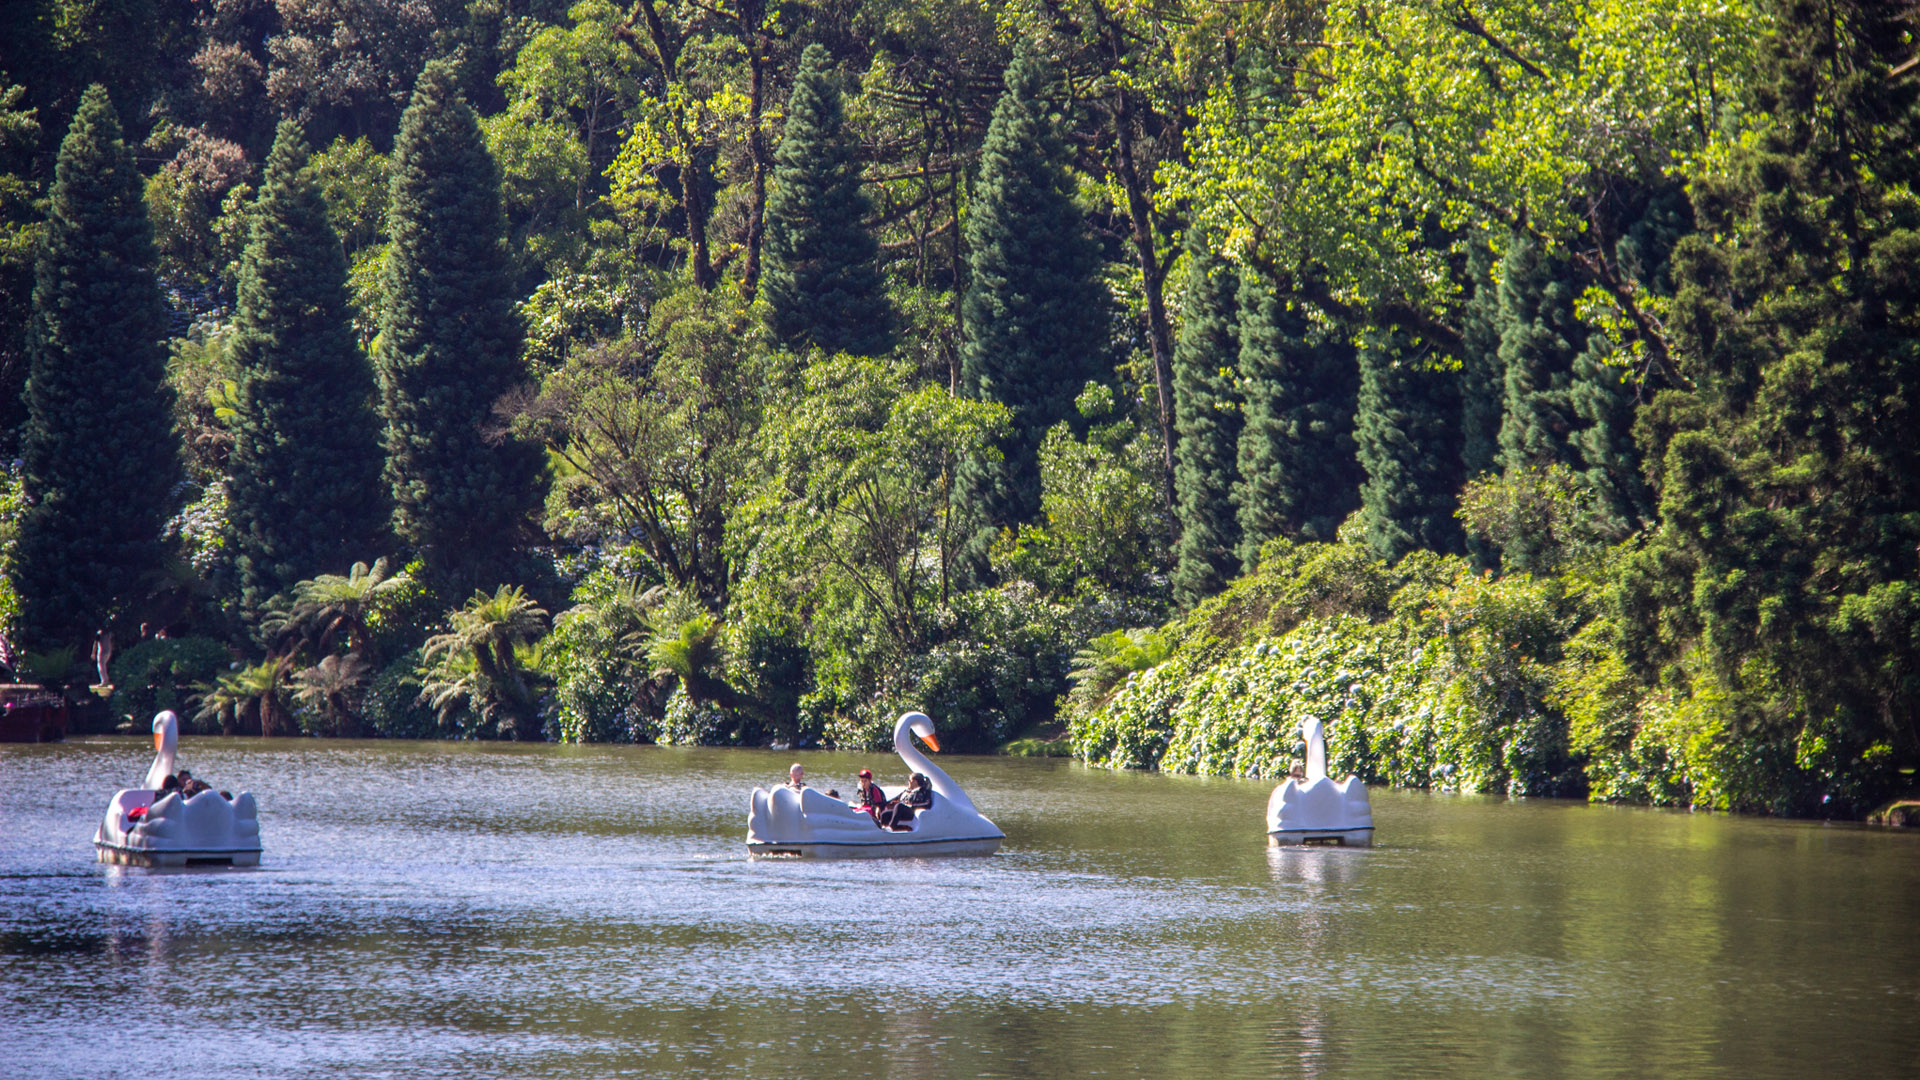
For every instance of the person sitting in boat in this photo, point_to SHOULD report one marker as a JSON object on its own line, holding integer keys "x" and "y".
{"x": 872, "y": 799}
{"x": 169, "y": 786}
{"x": 898, "y": 813}
{"x": 796, "y": 777}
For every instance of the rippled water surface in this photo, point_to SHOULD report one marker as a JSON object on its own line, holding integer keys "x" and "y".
{"x": 506, "y": 911}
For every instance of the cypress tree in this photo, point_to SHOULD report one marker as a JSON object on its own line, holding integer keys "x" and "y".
{"x": 449, "y": 344}
{"x": 1299, "y": 476}
{"x": 1540, "y": 336}
{"x": 1482, "y": 377}
{"x": 305, "y": 495}
{"x": 1606, "y": 392}
{"x": 19, "y": 193}
{"x": 1035, "y": 310}
{"x": 822, "y": 284}
{"x": 1408, "y": 431}
{"x": 1207, "y": 419}
{"x": 1482, "y": 386}
{"x": 99, "y": 449}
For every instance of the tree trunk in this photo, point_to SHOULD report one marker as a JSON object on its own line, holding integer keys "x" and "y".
{"x": 1152, "y": 280}
{"x": 694, "y": 200}
{"x": 756, "y": 43}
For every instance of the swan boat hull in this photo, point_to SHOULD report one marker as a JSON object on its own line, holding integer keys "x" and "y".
{"x": 206, "y": 830}
{"x": 905, "y": 848}
{"x": 1311, "y": 807}
{"x": 1332, "y": 837}
{"x": 126, "y": 856}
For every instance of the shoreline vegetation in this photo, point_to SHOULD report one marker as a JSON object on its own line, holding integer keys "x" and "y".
{"x": 1524, "y": 389}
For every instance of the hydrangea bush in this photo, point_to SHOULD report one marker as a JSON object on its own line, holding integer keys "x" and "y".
{"x": 1443, "y": 681}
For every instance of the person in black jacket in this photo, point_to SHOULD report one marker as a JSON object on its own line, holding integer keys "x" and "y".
{"x": 898, "y": 814}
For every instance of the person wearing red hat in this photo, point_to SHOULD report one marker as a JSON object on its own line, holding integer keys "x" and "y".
{"x": 872, "y": 799}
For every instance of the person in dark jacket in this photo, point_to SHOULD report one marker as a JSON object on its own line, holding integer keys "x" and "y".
{"x": 898, "y": 814}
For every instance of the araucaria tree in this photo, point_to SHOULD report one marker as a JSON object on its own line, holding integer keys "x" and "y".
{"x": 99, "y": 449}
{"x": 1207, "y": 417}
{"x": 449, "y": 344}
{"x": 822, "y": 283}
{"x": 305, "y": 495}
{"x": 1035, "y": 310}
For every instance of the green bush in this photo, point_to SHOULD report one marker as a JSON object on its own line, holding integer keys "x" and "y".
{"x": 392, "y": 707}
{"x": 161, "y": 673}
{"x": 1038, "y": 748}
{"x": 688, "y": 722}
{"x": 999, "y": 670}
{"x": 591, "y": 656}
{"x": 1442, "y": 682}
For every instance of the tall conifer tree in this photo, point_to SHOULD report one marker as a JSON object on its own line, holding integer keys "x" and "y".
{"x": 822, "y": 283}
{"x": 1408, "y": 431}
{"x": 1483, "y": 391}
{"x": 1483, "y": 385}
{"x": 305, "y": 495}
{"x": 1035, "y": 311}
{"x": 1540, "y": 336}
{"x": 1207, "y": 418}
{"x": 1607, "y": 387}
{"x": 1299, "y": 476}
{"x": 449, "y": 344}
{"x": 99, "y": 449}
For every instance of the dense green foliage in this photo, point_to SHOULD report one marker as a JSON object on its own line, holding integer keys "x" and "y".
{"x": 305, "y": 495}
{"x": 1407, "y": 427}
{"x": 1778, "y": 596}
{"x": 1521, "y": 387}
{"x": 1425, "y": 673}
{"x": 1296, "y": 465}
{"x": 99, "y": 457}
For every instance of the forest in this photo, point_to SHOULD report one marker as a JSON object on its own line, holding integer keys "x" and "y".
{"x": 1516, "y": 386}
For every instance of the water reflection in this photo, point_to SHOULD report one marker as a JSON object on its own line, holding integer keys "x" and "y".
{"x": 1316, "y": 865}
{"x": 595, "y": 915}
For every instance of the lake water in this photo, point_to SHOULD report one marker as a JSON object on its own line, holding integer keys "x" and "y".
{"x": 431, "y": 909}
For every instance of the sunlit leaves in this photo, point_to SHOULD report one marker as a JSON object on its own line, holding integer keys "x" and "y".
{"x": 1348, "y": 145}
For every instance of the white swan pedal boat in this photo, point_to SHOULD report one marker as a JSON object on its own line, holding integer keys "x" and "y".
{"x": 1316, "y": 809}
{"x": 205, "y": 830}
{"x": 809, "y": 824}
